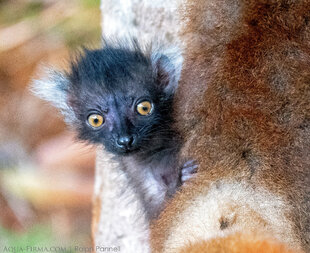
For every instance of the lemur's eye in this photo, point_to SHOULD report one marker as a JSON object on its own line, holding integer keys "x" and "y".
{"x": 95, "y": 120}
{"x": 144, "y": 108}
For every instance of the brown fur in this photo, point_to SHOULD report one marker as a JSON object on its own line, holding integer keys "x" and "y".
{"x": 243, "y": 105}
{"x": 238, "y": 243}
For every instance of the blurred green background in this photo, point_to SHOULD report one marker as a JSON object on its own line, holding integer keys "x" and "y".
{"x": 46, "y": 177}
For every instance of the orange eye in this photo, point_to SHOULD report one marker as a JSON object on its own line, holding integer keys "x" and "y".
{"x": 144, "y": 108}
{"x": 95, "y": 120}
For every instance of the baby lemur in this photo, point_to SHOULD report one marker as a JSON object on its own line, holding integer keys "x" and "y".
{"x": 121, "y": 96}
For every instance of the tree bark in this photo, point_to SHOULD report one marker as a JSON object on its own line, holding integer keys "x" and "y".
{"x": 118, "y": 214}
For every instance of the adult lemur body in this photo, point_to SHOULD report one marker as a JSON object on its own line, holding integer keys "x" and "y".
{"x": 121, "y": 96}
{"x": 243, "y": 108}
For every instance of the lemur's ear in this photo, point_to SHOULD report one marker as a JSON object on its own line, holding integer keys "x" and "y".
{"x": 167, "y": 66}
{"x": 54, "y": 89}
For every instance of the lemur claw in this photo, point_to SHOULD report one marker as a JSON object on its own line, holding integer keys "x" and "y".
{"x": 188, "y": 170}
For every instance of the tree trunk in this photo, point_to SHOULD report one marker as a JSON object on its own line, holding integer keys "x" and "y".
{"x": 118, "y": 214}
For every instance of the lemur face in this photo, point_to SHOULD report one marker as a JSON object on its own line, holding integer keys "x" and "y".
{"x": 118, "y": 96}
{"x": 122, "y": 119}
{"x": 117, "y": 100}
{"x": 124, "y": 123}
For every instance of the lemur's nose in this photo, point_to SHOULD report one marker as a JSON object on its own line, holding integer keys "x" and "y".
{"x": 125, "y": 142}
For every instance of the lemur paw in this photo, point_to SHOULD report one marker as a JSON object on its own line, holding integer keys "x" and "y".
{"x": 188, "y": 170}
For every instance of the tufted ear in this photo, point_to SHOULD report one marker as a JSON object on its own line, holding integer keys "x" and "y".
{"x": 54, "y": 89}
{"x": 167, "y": 66}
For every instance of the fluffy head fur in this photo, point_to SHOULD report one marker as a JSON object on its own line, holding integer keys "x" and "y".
{"x": 111, "y": 81}
{"x": 53, "y": 88}
{"x": 243, "y": 107}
